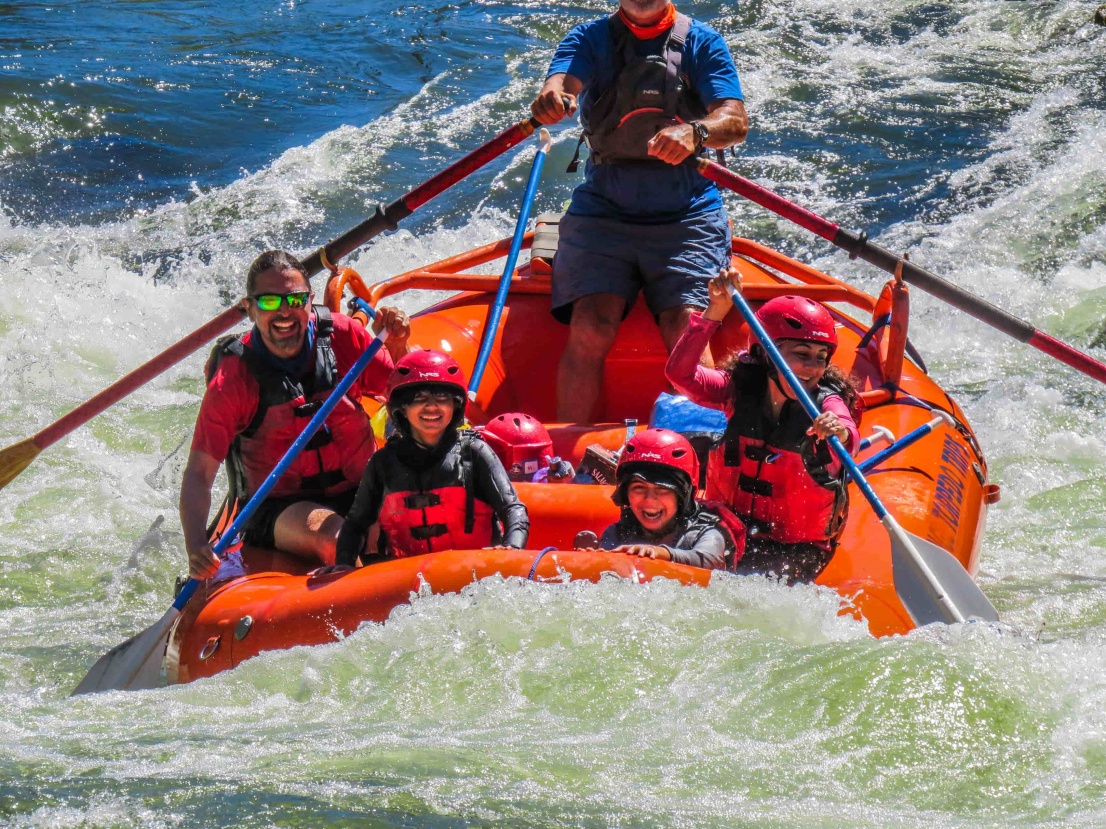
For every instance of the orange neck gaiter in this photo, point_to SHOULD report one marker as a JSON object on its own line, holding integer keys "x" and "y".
{"x": 668, "y": 19}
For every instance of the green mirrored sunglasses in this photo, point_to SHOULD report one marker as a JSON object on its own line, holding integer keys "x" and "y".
{"x": 271, "y": 302}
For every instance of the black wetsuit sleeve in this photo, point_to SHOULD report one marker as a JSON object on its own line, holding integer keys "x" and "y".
{"x": 493, "y": 487}
{"x": 365, "y": 511}
{"x": 708, "y": 550}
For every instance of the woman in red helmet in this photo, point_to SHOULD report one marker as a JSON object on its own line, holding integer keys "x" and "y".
{"x": 431, "y": 487}
{"x": 774, "y": 467}
{"x": 657, "y": 474}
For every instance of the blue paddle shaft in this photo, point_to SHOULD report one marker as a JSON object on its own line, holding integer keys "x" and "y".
{"x": 805, "y": 400}
{"x": 361, "y": 305}
{"x": 232, "y": 532}
{"x": 492, "y": 325}
{"x": 900, "y": 444}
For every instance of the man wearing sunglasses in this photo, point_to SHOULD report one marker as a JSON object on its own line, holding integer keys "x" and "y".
{"x": 263, "y": 387}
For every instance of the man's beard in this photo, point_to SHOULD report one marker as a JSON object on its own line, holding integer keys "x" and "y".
{"x": 644, "y": 7}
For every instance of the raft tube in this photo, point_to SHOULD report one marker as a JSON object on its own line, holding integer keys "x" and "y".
{"x": 936, "y": 488}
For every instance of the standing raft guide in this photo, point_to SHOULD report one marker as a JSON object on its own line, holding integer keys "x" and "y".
{"x": 901, "y": 553}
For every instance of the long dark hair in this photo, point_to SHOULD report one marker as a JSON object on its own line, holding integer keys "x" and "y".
{"x": 749, "y": 373}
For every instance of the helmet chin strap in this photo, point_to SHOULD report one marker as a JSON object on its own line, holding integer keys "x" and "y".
{"x": 774, "y": 376}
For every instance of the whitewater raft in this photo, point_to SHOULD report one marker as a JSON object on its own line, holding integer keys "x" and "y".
{"x": 937, "y": 488}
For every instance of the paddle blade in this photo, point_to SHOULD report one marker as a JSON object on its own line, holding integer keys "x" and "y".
{"x": 946, "y": 594}
{"x": 15, "y": 459}
{"x": 134, "y": 665}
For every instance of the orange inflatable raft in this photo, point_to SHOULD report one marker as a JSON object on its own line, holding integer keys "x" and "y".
{"x": 937, "y": 488}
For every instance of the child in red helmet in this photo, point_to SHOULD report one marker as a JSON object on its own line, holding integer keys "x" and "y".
{"x": 525, "y": 448}
{"x": 431, "y": 487}
{"x": 657, "y": 474}
{"x": 774, "y": 467}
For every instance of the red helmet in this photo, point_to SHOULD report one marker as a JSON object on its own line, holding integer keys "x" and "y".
{"x": 419, "y": 371}
{"x": 798, "y": 318}
{"x": 420, "y": 368}
{"x": 520, "y": 441}
{"x": 661, "y": 457}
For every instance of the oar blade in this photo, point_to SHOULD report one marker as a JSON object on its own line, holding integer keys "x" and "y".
{"x": 134, "y": 665}
{"x": 15, "y": 459}
{"x": 927, "y": 601}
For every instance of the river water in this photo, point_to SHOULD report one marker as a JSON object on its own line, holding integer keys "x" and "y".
{"x": 150, "y": 148}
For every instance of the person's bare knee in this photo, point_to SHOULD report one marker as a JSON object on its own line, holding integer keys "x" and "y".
{"x": 308, "y": 529}
{"x": 592, "y": 332}
{"x": 672, "y": 324}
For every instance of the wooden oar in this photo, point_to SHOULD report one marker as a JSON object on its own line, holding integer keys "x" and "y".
{"x": 930, "y": 582}
{"x": 18, "y": 457}
{"x": 491, "y": 325}
{"x": 14, "y": 459}
{"x": 136, "y": 664}
{"x": 858, "y": 245}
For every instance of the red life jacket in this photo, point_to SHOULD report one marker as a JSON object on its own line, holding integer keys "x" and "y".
{"x": 333, "y": 461}
{"x": 775, "y": 476}
{"x": 446, "y": 518}
{"x": 717, "y": 514}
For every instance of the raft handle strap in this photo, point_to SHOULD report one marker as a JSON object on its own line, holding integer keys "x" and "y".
{"x": 537, "y": 560}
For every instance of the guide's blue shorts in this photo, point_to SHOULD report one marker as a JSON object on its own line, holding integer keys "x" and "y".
{"x": 670, "y": 264}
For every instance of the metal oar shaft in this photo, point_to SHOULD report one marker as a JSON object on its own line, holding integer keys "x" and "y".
{"x": 139, "y": 377}
{"x": 387, "y": 217}
{"x": 858, "y": 246}
{"x": 14, "y": 459}
{"x": 906, "y": 440}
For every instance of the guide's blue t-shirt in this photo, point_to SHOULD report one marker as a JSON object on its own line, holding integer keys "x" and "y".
{"x": 645, "y": 193}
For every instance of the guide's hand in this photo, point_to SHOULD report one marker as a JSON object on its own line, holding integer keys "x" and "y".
{"x": 673, "y": 144}
{"x": 395, "y": 322}
{"x": 553, "y": 103}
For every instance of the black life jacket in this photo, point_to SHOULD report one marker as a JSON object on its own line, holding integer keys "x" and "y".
{"x": 648, "y": 94}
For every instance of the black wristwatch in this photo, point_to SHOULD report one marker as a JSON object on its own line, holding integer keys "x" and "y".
{"x": 702, "y": 134}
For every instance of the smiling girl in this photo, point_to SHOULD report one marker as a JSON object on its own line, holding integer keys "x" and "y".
{"x": 432, "y": 487}
{"x": 774, "y": 467}
{"x": 657, "y": 474}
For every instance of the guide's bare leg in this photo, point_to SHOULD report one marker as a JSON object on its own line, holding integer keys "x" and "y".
{"x": 591, "y": 333}
{"x": 672, "y": 324}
